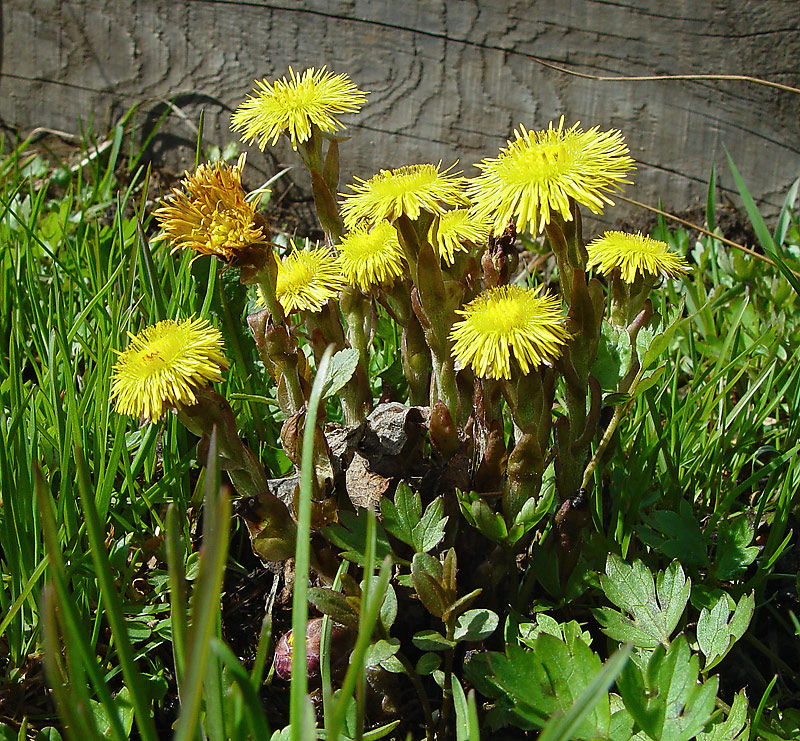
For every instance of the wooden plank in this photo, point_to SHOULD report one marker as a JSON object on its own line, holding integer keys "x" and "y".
{"x": 448, "y": 80}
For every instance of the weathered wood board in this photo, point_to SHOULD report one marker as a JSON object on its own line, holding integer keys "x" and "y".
{"x": 448, "y": 80}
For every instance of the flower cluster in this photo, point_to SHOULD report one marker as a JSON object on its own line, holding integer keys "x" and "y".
{"x": 435, "y": 251}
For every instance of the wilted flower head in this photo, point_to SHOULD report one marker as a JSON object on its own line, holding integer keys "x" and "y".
{"x": 508, "y": 319}
{"x": 407, "y": 190}
{"x": 210, "y": 215}
{"x": 632, "y": 254}
{"x": 164, "y": 365}
{"x": 537, "y": 174}
{"x": 456, "y": 227}
{"x": 293, "y": 106}
{"x": 307, "y": 279}
{"x": 371, "y": 257}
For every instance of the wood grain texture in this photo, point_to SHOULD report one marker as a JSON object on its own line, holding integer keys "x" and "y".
{"x": 448, "y": 80}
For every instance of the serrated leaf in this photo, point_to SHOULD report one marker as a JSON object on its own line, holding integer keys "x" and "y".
{"x": 532, "y": 686}
{"x": 676, "y": 534}
{"x": 429, "y": 531}
{"x": 475, "y": 625}
{"x": 431, "y": 640}
{"x": 654, "y": 609}
{"x": 403, "y": 515}
{"x": 717, "y": 631}
{"x": 734, "y": 728}
{"x": 666, "y": 700}
{"x": 350, "y": 534}
{"x": 733, "y": 552}
{"x": 340, "y": 370}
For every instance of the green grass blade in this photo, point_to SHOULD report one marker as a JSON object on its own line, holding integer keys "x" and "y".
{"x": 73, "y": 629}
{"x": 297, "y": 699}
{"x": 760, "y": 228}
{"x": 23, "y": 595}
{"x": 177, "y": 593}
{"x": 205, "y": 601}
{"x": 113, "y": 605}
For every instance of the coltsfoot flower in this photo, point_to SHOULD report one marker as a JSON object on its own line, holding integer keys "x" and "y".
{"x": 406, "y": 190}
{"x": 164, "y": 365}
{"x": 293, "y": 106}
{"x": 632, "y": 254}
{"x": 307, "y": 279}
{"x": 211, "y": 215}
{"x": 371, "y": 257}
{"x": 456, "y": 227}
{"x": 508, "y": 319}
{"x": 536, "y": 175}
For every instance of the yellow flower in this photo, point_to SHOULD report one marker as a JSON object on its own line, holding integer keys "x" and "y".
{"x": 164, "y": 365}
{"x": 210, "y": 215}
{"x": 456, "y": 227}
{"x": 407, "y": 190}
{"x": 370, "y": 257}
{"x": 506, "y": 319}
{"x": 307, "y": 279}
{"x": 537, "y": 174}
{"x": 293, "y": 106}
{"x": 632, "y": 253}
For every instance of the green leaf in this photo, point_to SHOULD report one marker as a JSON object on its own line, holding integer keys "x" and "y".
{"x": 475, "y": 625}
{"x": 734, "y": 552}
{"x": 666, "y": 700}
{"x": 340, "y": 370}
{"x": 380, "y": 651}
{"x": 567, "y": 632}
{"x": 676, "y": 534}
{"x": 734, "y": 728}
{"x": 562, "y": 727}
{"x": 335, "y": 605}
{"x": 654, "y": 610}
{"x": 403, "y": 515}
{"x": 428, "y": 663}
{"x": 613, "y": 356}
{"x": 350, "y": 534}
{"x": 431, "y": 640}
{"x": 429, "y": 531}
{"x": 388, "y": 611}
{"x": 426, "y": 576}
{"x": 662, "y": 340}
{"x": 490, "y": 523}
{"x": 717, "y": 631}
{"x": 532, "y": 686}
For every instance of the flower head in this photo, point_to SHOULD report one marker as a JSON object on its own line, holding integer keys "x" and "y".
{"x": 293, "y": 106}
{"x": 210, "y": 215}
{"x": 164, "y": 365}
{"x": 506, "y": 319}
{"x": 370, "y": 257}
{"x": 307, "y": 279}
{"x": 456, "y": 227}
{"x": 538, "y": 173}
{"x": 407, "y": 190}
{"x": 632, "y": 253}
